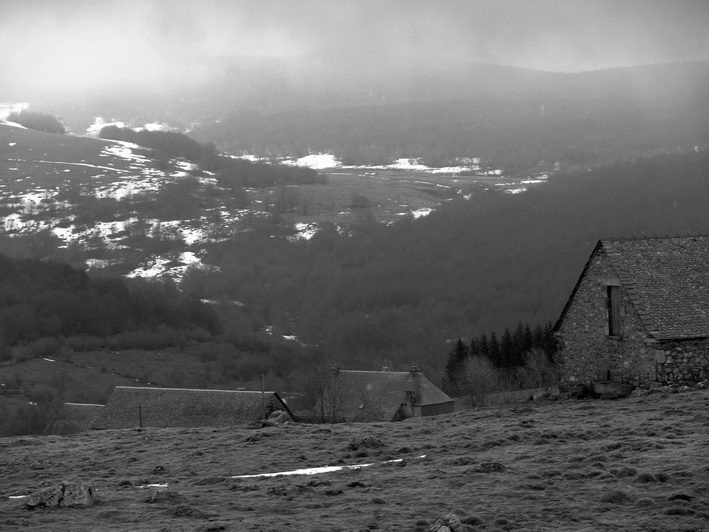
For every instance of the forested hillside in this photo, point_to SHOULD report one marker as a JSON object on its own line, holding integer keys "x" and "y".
{"x": 40, "y": 300}
{"x": 578, "y": 120}
{"x": 398, "y": 293}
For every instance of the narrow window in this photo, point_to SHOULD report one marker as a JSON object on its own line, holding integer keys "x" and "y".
{"x": 614, "y": 311}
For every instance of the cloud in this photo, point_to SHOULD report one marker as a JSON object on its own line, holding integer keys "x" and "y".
{"x": 83, "y": 44}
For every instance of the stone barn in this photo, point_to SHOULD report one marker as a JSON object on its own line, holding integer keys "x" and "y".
{"x": 131, "y": 406}
{"x": 381, "y": 396}
{"x": 639, "y": 313}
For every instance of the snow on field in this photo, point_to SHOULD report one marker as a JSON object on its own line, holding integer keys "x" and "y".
{"x": 31, "y": 202}
{"x": 316, "y": 161}
{"x": 124, "y": 150}
{"x": 66, "y": 234}
{"x": 408, "y": 164}
{"x": 99, "y": 123}
{"x": 323, "y": 161}
{"x": 156, "y": 267}
{"x": 82, "y": 164}
{"x": 323, "y": 469}
{"x": 127, "y": 188}
{"x": 7, "y": 108}
{"x": 305, "y": 231}
{"x": 185, "y": 167}
{"x": 156, "y": 126}
{"x": 419, "y": 213}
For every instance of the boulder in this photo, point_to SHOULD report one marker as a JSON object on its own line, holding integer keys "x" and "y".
{"x": 278, "y": 416}
{"x": 447, "y": 523}
{"x": 78, "y": 494}
{"x": 65, "y": 495}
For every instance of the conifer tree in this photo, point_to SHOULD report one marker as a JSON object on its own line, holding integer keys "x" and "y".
{"x": 507, "y": 355}
{"x": 484, "y": 345}
{"x": 455, "y": 364}
{"x": 494, "y": 353}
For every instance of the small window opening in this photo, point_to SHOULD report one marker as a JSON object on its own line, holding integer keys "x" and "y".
{"x": 613, "y": 302}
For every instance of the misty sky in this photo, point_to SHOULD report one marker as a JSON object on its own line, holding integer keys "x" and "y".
{"x": 88, "y": 43}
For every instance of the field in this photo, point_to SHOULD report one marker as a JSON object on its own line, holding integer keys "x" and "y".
{"x": 634, "y": 464}
{"x": 384, "y": 195}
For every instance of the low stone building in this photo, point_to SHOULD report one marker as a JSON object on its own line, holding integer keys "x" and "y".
{"x": 134, "y": 406}
{"x": 639, "y": 313}
{"x": 381, "y": 396}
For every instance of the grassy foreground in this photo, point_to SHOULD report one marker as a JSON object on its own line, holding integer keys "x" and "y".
{"x": 640, "y": 463}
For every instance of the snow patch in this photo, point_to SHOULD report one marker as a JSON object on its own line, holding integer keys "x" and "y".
{"x": 323, "y": 469}
{"x": 7, "y": 108}
{"x": 420, "y": 213}
{"x": 305, "y": 231}
{"x": 316, "y": 161}
{"x": 99, "y": 123}
{"x": 156, "y": 126}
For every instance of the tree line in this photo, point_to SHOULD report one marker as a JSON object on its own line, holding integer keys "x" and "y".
{"x": 231, "y": 173}
{"x": 511, "y": 351}
{"x": 40, "y": 299}
{"x": 37, "y": 121}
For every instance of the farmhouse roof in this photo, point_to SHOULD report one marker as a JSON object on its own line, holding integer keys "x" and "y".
{"x": 666, "y": 279}
{"x": 364, "y": 395}
{"x": 186, "y": 407}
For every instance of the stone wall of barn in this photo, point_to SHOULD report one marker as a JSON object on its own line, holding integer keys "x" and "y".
{"x": 682, "y": 362}
{"x": 588, "y": 353}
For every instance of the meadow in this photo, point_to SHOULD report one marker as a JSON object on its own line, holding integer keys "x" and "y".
{"x": 638, "y": 463}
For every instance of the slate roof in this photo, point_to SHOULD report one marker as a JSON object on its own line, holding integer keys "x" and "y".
{"x": 184, "y": 407}
{"x": 378, "y": 395}
{"x": 667, "y": 281}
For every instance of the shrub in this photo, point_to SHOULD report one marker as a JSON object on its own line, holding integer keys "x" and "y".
{"x": 616, "y": 497}
{"x": 479, "y": 379}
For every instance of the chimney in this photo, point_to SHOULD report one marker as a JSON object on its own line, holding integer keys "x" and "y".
{"x": 335, "y": 370}
{"x": 413, "y": 370}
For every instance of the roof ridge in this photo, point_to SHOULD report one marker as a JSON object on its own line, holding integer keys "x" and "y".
{"x": 653, "y": 237}
{"x": 192, "y": 389}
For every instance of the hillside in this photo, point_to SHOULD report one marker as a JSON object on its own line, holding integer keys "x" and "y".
{"x": 394, "y": 295}
{"x": 367, "y": 294}
{"x": 632, "y": 464}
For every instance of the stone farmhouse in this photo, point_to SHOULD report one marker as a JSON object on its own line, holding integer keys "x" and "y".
{"x": 639, "y": 314}
{"x": 381, "y": 396}
{"x": 133, "y": 406}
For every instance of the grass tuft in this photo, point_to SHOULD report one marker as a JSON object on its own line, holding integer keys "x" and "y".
{"x": 616, "y": 497}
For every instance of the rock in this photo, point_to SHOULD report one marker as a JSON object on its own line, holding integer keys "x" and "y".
{"x": 160, "y": 496}
{"x": 45, "y": 498}
{"x": 66, "y": 495}
{"x": 539, "y": 394}
{"x": 78, "y": 494}
{"x": 278, "y": 417}
{"x": 447, "y": 523}
{"x": 371, "y": 442}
